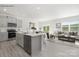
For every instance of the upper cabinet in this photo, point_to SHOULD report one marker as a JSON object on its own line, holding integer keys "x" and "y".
{"x": 19, "y": 23}
{"x": 3, "y": 21}
{"x": 12, "y": 20}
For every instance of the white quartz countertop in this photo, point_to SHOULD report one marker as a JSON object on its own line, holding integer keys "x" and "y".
{"x": 34, "y": 34}
{"x": 22, "y": 32}
{"x": 31, "y": 34}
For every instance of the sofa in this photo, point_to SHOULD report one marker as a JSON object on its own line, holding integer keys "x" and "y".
{"x": 70, "y": 36}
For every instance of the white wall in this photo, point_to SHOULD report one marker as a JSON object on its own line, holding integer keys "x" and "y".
{"x": 52, "y": 23}
{"x": 25, "y": 24}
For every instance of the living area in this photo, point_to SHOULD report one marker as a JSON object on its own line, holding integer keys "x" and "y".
{"x": 64, "y": 29}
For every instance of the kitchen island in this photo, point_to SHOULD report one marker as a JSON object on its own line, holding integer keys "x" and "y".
{"x": 31, "y": 43}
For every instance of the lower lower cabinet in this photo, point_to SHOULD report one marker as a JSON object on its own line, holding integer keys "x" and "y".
{"x": 27, "y": 44}
{"x": 32, "y": 44}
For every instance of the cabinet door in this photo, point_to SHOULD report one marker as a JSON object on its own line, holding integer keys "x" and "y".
{"x": 3, "y": 36}
{"x": 20, "y": 40}
{"x": 3, "y": 22}
{"x": 19, "y": 23}
{"x": 27, "y": 44}
{"x": 36, "y": 43}
{"x": 12, "y": 20}
{"x": 17, "y": 38}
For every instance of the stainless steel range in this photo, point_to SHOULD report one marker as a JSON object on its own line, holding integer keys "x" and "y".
{"x": 11, "y": 33}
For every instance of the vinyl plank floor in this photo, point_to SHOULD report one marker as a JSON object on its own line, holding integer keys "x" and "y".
{"x": 11, "y": 49}
{"x": 60, "y": 49}
{"x": 51, "y": 49}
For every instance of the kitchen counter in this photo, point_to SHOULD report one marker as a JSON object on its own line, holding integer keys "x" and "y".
{"x": 31, "y": 42}
{"x": 32, "y": 35}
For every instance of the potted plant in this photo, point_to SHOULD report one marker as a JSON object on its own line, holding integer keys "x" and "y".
{"x": 33, "y": 28}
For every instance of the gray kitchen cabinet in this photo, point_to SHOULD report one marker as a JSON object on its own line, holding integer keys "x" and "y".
{"x": 32, "y": 44}
{"x": 3, "y": 21}
{"x": 27, "y": 44}
{"x": 3, "y": 36}
{"x": 19, "y": 39}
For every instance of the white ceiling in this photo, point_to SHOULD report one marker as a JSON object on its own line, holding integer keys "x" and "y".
{"x": 41, "y": 12}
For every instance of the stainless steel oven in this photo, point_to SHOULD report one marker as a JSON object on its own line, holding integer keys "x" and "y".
{"x": 11, "y": 33}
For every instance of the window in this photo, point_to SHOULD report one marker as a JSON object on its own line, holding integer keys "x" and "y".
{"x": 46, "y": 28}
{"x": 65, "y": 28}
{"x": 71, "y": 27}
{"x": 74, "y": 27}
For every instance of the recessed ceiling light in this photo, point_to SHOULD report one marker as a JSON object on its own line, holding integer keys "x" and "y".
{"x": 4, "y": 9}
{"x": 38, "y": 8}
